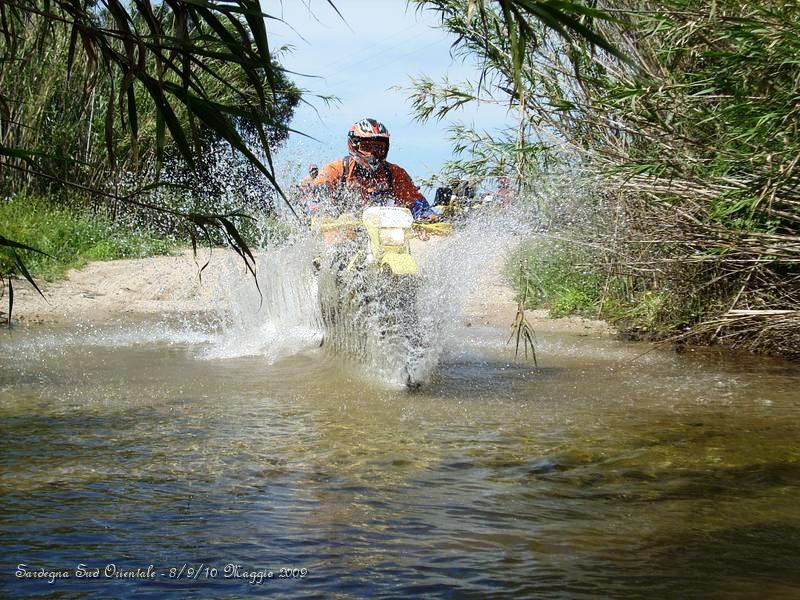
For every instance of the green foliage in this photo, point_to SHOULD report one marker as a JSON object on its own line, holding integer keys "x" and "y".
{"x": 695, "y": 138}
{"x": 72, "y": 121}
{"x": 647, "y": 313}
{"x": 714, "y": 103}
{"x": 95, "y": 96}
{"x": 70, "y": 238}
{"x": 569, "y": 278}
{"x": 512, "y": 41}
{"x": 556, "y": 275}
{"x": 180, "y": 68}
{"x": 710, "y": 109}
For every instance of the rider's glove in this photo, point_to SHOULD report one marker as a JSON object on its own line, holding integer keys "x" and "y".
{"x": 421, "y": 210}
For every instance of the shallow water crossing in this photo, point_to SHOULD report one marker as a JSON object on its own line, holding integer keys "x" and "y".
{"x": 598, "y": 474}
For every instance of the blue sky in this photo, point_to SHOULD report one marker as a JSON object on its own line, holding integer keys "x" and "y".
{"x": 380, "y": 45}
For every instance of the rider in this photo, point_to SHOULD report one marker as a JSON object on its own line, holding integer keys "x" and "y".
{"x": 366, "y": 173}
{"x": 305, "y": 185}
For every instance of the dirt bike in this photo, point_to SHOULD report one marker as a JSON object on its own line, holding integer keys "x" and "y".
{"x": 457, "y": 202}
{"x": 368, "y": 284}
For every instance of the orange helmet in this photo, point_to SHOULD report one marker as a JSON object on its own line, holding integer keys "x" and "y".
{"x": 368, "y": 143}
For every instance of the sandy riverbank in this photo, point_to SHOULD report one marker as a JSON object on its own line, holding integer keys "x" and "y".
{"x": 169, "y": 285}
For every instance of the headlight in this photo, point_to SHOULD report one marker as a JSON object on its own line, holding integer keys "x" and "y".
{"x": 393, "y": 237}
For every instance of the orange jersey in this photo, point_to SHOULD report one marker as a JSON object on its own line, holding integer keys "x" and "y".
{"x": 389, "y": 181}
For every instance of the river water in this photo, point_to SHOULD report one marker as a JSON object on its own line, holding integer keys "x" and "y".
{"x": 600, "y": 474}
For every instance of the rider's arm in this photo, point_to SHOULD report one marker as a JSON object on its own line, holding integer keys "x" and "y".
{"x": 407, "y": 194}
{"x": 405, "y": 191}
{"x": 304, "y": 186}
{"x": 329, "y": 177}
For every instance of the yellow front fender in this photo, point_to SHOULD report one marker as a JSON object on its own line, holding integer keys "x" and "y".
{"x": 399, "y": 263}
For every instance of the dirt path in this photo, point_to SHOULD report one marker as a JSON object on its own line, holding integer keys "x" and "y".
{"x": 169, "y": 285}
{"x": 104, "y": 290}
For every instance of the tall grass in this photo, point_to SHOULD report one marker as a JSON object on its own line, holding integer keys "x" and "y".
{"x": 544, "y": 272}
{"x": 693, "y": 144}
{"x": 70, "y": 238}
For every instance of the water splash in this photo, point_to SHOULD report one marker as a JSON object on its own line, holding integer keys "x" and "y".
{"x": 395, "y": 335}
{"x": 395, "y": 331}
{"x": 281, "y": 316}
{"x": 372, "y": 316}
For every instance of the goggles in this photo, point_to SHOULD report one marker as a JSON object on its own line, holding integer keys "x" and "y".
{"x": 377, "y": 148}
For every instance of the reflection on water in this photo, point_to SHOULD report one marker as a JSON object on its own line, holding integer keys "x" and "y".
{"x": 593, "y": 476}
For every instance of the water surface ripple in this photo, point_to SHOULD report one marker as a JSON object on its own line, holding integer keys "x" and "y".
{"x": 595, "y": 475}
